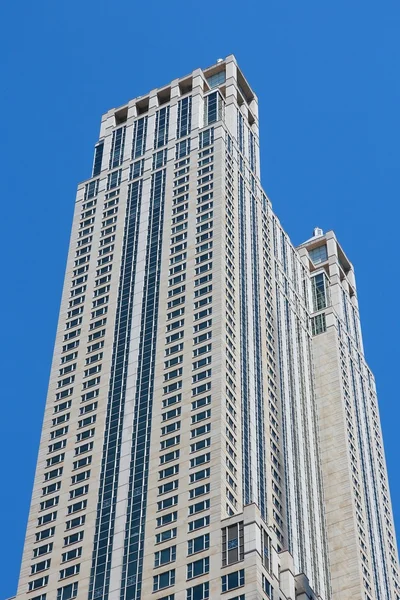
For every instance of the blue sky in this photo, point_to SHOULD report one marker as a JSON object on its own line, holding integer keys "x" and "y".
{"x": 326, "y": 75}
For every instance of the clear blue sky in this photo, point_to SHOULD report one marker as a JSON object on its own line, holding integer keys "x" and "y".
{"x": 327, "y": 78}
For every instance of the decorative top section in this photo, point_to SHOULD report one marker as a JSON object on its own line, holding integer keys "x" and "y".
{"x": 318, "y": 232}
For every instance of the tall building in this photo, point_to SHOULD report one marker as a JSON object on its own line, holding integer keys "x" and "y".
{"x": 211, "y": 427}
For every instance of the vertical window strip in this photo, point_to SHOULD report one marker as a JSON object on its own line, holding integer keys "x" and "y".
{"x": 247, "y": 481}
{"x": 161, "y": 130}
{"x": 131, "y": 582}
{"x": 240, "y": 132}
{"x": 184, "y": 117}
{"x": 139, "y": 137}
{"x": 98, "y": 159}
{"x": 252, "y": 152}
{"x": 260, "y": 433}
{"x": 117, "y": 148}
{"x": 102, "y": 549}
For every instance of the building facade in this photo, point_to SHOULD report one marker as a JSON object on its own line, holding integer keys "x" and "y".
{"x": 211, "y": 428}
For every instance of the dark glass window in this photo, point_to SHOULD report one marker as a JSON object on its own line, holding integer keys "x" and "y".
{"x": 98, "y": 158}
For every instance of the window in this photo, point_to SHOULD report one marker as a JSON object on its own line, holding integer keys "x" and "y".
{"x": 81, "y": 491}
{"x": 198, "y": 592}
{"x": 184, "y": 117}
{"x": 76, "y": 522}
{"x": 38, "y": 583}
{"x": 206, "y": 137}
{"x": 199, "y": 523}
{"x": 165, "y": 556}
{"x": 167, "y": 519}
{"x": 114, "y": 179}
{"x": 232, "y": 581}
{"x": 198, "y": 544}
{"x": 232, "y": 544}
{"x": 168, "y": 472}
{"x": 163, "y": 580}
{"x": 73, "y": 508}
{"x": 40, "y": 566}
{"x": 205, "y": 443}
{"x": 98, "y": 158}
{"x": 139, "y": 137}
{"x": 71, "y": 554}
{"x": 91, "y": 189}
{"x": 199, "y": 460}
{"x": 161, "y": 131}
{"x": 203, "y": 474}
{"x": 199, "y": 507}
{"x": 216, "y": 79}
{"x": 117, "y": 147}
{"x": 167, "y": 503}
{"x": 198, "y": 567}
{"x": 67, "y": 592}
{"x": 319, "y": 291}
{"x": 46, "y": 533}
{"x": 318, "y": 324}
{"x": 267, "y": 587}
{"x": 69, "y": 571}
{"x": 169, "y": 534}
{"x": 136, "y": 169}
{"x": 318, "y": 255}
{"x": 199, "y": 491}
{"x": 182, "y": 149}
{"x": 45, "y": 549}
{"x": 72, "y": 539}
{"x": 212, "y": 108}
{"x": 43, "y": 520}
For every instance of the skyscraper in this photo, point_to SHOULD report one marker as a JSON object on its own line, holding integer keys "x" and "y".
{"x": 211, "y": 427}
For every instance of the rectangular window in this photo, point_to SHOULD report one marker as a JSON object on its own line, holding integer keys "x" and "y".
{"x": 212, "y": 108}
{"x": 98, "y": 159}
{"x": 169, "y": 534}
{"x": 198, "y": 567}
{"x": 44, "y": 534}
{"x": 139, "y": 137}
{"x": 232, "y": 581}
{"x": 162, "y": 557}
{"x": 167, "y": 503}
{"x": 206, "y": 137}
{"x": 114, "y": 179}
{"x": 91, "y": 189}
{"x": 45, "y": 549}
{"x": 161, "y": 130}
{"x": 198, "y": 544}
{"x": 40, "y": 566}
{"x": 198, "y": 523}
{"x": 199, "y": 491}
{"x": 136, "y": 169}
{"x": 232, "y": 544}
{"x": 167, "y": 519}
{"x": 163, "y": 580}
{"x": 38, "y": 583}
{"x": 199, "y": 507}
{"x": 182, "y": 149}
{"x": 71, "y": 554}
{"x": 70, "y": 571}
{"x": 184, "y": 117}
{"x": 73, "y": 539}
{"x": 318, "y": 324}
{"x": 318, "y": 255}
{"x": 319, "y": 291}
{"x": 168, "y": 487}
{"x": 117, "y": 147}
{"x": 68, "y": 591}
{"x": 198, "y": 592}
